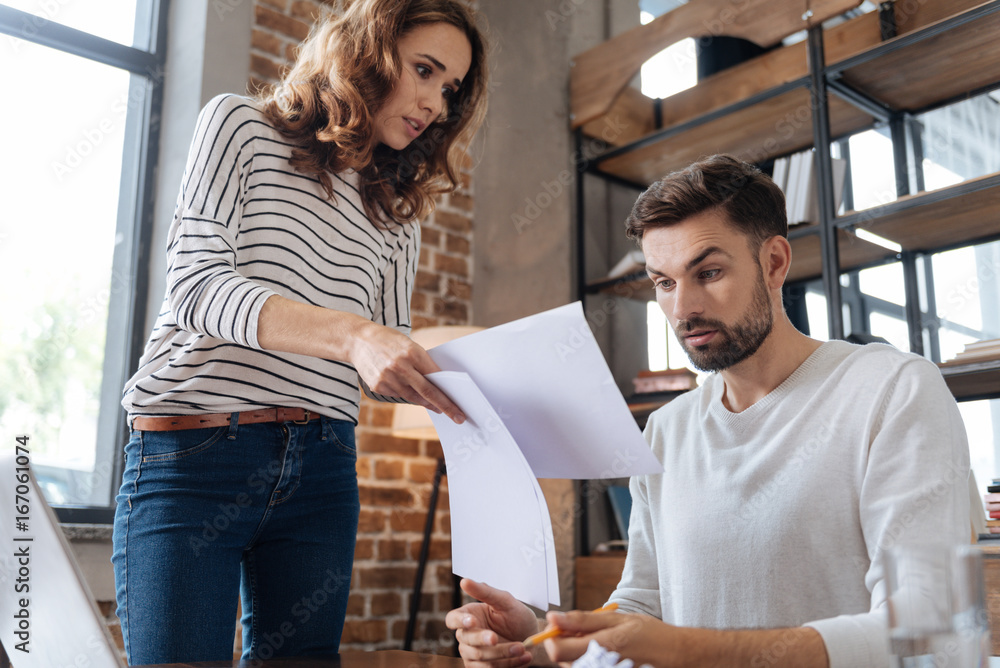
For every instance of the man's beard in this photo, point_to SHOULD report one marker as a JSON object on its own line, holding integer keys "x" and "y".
{"x": 731, "y": 345}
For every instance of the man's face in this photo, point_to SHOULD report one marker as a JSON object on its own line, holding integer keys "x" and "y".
{"x": 711, "y": 288}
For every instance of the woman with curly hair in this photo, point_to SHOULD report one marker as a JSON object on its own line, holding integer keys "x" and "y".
{"x": 290, "y": 264}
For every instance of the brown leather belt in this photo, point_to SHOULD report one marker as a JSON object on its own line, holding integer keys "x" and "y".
{"x": 175, "y": 422}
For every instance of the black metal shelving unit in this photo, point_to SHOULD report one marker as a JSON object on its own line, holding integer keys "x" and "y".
{"x": 911, "y": 217}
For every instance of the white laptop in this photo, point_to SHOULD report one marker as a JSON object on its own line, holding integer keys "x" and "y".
{"x": 45, "y": 604}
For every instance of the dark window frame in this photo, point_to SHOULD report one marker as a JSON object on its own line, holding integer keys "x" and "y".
{"x": 146, "y": 62}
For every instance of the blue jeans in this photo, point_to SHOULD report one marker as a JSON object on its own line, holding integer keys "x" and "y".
{"x": 267, "y": 512}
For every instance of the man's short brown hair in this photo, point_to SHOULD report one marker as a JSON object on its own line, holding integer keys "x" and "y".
{"x": 748, "y": 197}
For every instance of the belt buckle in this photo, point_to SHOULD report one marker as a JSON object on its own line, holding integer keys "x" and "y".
{"x": 305, "y": 420}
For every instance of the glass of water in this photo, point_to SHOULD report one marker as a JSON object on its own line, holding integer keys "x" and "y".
{"x": 937, "y": 610}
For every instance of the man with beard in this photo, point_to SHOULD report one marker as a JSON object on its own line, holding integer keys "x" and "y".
{"x": 786, "y": 474}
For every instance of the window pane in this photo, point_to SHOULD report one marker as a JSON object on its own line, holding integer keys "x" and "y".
{"x": 873, "y": 174}
{"x": 967, "y": 291}
{"x": 58, "y": 214}
{"x": 115, "y": 20}
{"x": 961, "y": 141}
{"x": 981, "y": 419}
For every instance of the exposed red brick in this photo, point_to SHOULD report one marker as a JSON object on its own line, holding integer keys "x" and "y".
{"x": 430, "y": 238}
{"x": 389, "y": 469}
{"x": 355, "y": 604}
{"x": 364, "y": 467}
{"x": 364, "y": 631}
{"x": 443, "y": 573}
{"x": 364, "y": 549}
{"x": 428, "y": 281}
{"x": 373, "y": 443}
{"x": 452, "y": 311}
{"x": 279, "y": 4}
{"x": 291, "y": 52}
{"x": 266, "y": 41}
{"x": 433, "y": 449}
{"x": 386, "y": 603}
{"x": 444, "y": 601}
{"x": 371, "y": 521}
{"x": 459, "y": 289}
{"x": 439, "y": 550}
{"x": 460, "y": 201}
{"x": 407, "y": 520}
{"x": 399, "y": 629}
{"x": 457, "y": 245}
{"x": 451, "y": 265}
{"x": 419, "y": 302}
{"x": 286, "y": 25}
{"x": 381, "y": 414}
{"x": 392, "y": 497}
{"x": 386, "y": 577}
{"x": 393, "y": 549}
{"x": 444, "y": 523}
{"x": 453, "y": 221}
{"x": 306, "y": 11}
{"x": 437, "y": 630}
{"x": 116, "y": 634}
{"x": 426, "y": 258}
{"x": 265, "y": 67}
{"x": 422, "y": 471}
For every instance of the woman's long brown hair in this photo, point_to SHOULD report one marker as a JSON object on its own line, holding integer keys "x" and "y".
{"x": 344, "y": 73}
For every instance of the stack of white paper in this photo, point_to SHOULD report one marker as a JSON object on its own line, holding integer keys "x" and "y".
{"x": 541, "y": 403}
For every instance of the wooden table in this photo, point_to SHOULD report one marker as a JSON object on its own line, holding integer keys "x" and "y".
{"x": 354, "y": 659}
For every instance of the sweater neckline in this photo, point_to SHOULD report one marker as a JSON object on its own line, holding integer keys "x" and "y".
{"x": 759, "y": 408}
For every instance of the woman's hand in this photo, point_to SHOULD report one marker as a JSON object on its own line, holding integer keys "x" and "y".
{"x": 391, "y": 364}
{"x": 490, "y": 632}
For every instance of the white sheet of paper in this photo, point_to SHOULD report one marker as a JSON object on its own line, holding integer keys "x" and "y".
{"x": 501, "y": 533}
{"x": 546, "y": 377}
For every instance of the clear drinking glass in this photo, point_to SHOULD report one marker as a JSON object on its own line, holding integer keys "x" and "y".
{"x": 937, "y": 610}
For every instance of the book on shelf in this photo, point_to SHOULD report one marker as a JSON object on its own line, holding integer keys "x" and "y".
{"x": 978, "y": 351}
{"x": 632, "y": 262}
{"x": 667, "y": 380}
{"x": 795, "y": 175}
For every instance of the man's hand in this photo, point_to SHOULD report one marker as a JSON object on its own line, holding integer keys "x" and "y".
{"x": 490, "y": 632}
{"x": 637, "y": 637}
{"x": 646, "y": 639}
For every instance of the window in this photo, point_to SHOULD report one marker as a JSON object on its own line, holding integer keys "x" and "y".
{"x": 75, "y": 217}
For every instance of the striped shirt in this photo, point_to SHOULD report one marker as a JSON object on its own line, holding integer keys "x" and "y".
{"x": 248, "y": 226}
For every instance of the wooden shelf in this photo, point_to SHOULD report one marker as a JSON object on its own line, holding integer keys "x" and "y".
{"x": 807, "y": 260}
{"x": 773, "y": 127}
{"x": 950, "y": 217}
{"x": 940, "y": 67}
{"x": 972, "y": 380}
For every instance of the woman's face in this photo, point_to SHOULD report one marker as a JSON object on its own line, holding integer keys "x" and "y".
{"x": 435, "y": 58}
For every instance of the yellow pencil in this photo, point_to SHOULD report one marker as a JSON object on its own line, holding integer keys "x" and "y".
{"x": 531, "y": 641}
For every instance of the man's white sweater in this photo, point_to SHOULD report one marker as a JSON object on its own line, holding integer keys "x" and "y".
{"x": 778, "y": 516}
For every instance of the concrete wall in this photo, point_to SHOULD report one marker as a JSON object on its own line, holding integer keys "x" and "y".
{"x": 524, "y": 257}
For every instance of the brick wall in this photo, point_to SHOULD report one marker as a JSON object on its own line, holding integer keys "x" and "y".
{"x": 394, "y": 475}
